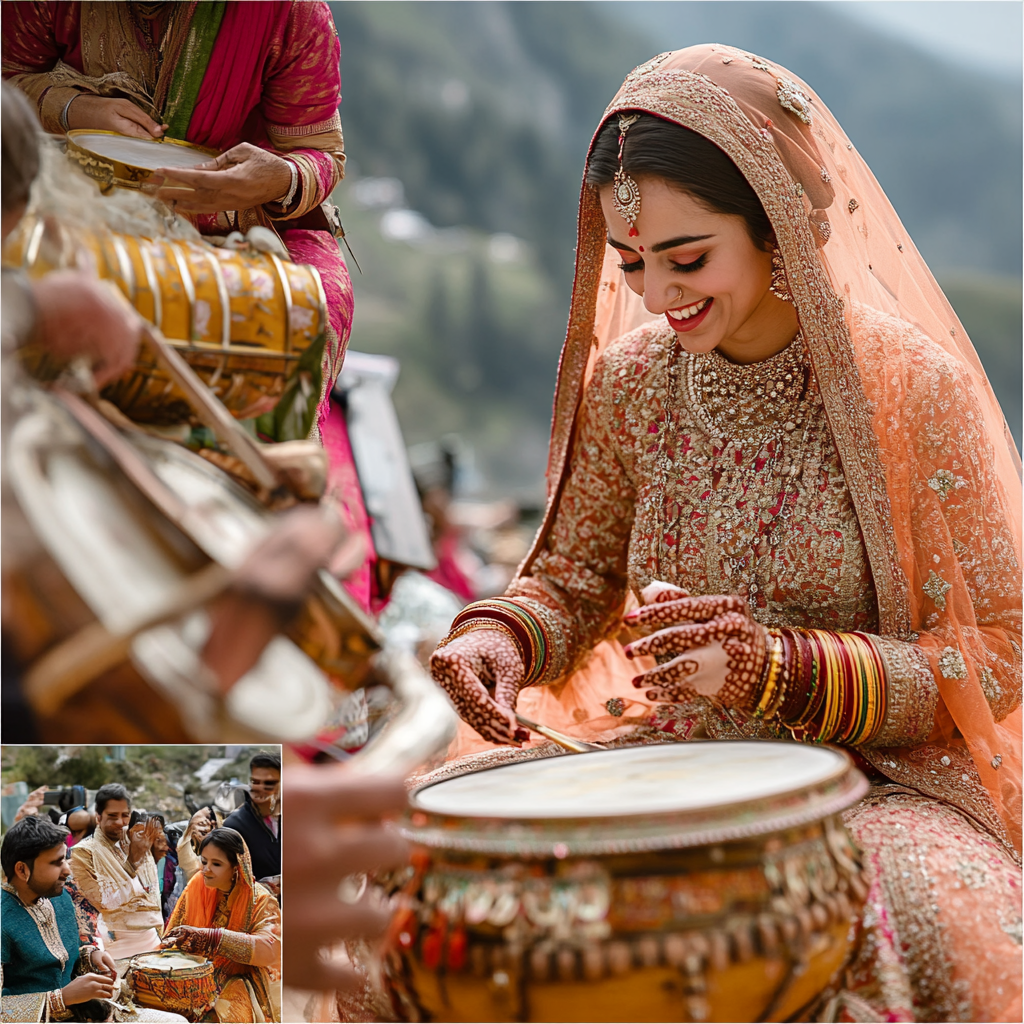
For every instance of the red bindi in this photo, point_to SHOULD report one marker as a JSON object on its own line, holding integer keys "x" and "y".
{"x": 641, "y": 248}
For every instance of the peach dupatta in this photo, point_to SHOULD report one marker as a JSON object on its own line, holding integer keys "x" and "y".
{"x": 928, "y": 460}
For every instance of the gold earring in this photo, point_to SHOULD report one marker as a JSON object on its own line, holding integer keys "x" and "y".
{"x": 780, "y": 283}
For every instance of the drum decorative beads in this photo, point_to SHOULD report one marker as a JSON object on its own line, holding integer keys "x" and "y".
{"x": 703, "y": 881}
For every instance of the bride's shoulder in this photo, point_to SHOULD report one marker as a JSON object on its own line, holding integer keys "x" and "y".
{"x": 893, "y": 343}
{"x": 639, "y": 350}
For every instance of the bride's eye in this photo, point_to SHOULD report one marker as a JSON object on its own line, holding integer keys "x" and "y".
{"x": 688, "y": 268}
{"x": 631, "y": 266}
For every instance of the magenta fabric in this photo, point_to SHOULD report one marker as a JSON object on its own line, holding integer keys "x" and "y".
{"x": 343, "y": 487}
{"x": 321, "y": 250}
{"x": 232, "y": 87}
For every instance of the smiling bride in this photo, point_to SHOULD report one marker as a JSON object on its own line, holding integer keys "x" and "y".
{"x": 772, "y": 430}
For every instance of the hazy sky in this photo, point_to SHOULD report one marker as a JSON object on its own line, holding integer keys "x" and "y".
{"x": 986, "y": 34}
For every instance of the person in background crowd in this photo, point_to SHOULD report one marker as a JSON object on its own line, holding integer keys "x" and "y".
{"x": 48, "y": 974}
{"x": 196, "y": 831}
{"x": 114, "y": 870}
{"x": 259, "y": 818}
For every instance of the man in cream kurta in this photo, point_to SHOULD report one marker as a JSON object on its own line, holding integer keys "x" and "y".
{"x": 115, "y": 871}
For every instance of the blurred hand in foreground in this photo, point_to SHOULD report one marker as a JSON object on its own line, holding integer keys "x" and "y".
{"x": 78, "y": 315}
{"x": 335, "y": 830}
{"x": 269, "y": 586}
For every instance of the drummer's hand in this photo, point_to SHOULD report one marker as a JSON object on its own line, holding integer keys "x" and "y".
{"x": 243, "y": 177}
{"x": 81, "y": 316}
{"x": 103, "y": 113}
{"x": 335, "y": 831}
{"x": 463, "y": 667}
{"x": 724, "y": 647}
{"x": 103, "y": 963}
{"x": 189, "y": 939}
{"x": 86, "y": 987}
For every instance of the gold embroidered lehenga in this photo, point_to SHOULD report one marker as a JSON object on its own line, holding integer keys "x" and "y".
{"x": 860, "y": 480}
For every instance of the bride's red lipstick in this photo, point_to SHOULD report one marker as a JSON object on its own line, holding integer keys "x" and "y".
{"x": 682, "y": 326}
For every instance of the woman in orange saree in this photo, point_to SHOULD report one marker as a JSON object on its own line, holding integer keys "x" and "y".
{"x": 229, "y": 918}
{"x": 771, "y": 428}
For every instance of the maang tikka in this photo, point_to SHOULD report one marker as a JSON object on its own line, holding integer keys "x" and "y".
{"x": 626, "y": 194}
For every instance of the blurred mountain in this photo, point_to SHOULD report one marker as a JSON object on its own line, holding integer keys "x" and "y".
{"x": 481, "y": 113}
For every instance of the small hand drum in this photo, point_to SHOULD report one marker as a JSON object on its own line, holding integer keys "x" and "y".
{"x": 126, "y": 162}
{"x": 173, "y": 981}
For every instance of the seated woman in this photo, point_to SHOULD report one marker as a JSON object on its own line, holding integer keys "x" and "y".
{"x": 802, "y": 472}
{"x": 232, "y": 920}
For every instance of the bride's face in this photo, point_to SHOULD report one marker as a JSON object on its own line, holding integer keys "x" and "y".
{"x": 702, "y": 271}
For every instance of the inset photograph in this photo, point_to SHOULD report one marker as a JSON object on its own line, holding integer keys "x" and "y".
{"x": 141, "y": 883}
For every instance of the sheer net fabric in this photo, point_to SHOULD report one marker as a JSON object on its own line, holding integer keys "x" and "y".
{"x": 929, "y": 463}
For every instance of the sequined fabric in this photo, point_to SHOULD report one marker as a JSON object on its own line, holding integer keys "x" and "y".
{"x": 940, "y": 936}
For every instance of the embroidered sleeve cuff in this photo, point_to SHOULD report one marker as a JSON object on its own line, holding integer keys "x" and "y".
{"x": 913, "y": 695}
{"x": 52, "y": 104}
{"x": 237, "y": 947}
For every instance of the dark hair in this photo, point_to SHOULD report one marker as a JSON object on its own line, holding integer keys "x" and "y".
{"x": 28, "y": 838}
{"x": 264, "y": 759}
{"x": 226, "y": 839}
{"x": 655, "y": 148}
{"x": 19, "y": 148}
{"x": 111, "y": 791}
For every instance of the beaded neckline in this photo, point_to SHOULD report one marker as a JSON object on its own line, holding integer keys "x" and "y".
{"x": 753, "y": 401}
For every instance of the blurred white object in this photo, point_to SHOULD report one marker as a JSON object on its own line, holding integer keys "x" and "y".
{"x": 378, "y": 193}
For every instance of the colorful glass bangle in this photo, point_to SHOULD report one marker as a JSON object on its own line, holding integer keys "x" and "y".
{"x": 520, "y": 624}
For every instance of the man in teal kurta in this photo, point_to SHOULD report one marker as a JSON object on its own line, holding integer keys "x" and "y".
{"x": 46, "y": 972}
{"x": 41, "y": 954}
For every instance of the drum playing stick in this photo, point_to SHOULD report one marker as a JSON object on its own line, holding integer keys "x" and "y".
{"x": 576, "y": 746}
{"x": 209, "y": 410}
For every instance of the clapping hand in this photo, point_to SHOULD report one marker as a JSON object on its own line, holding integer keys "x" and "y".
{"x": 141, "y": 839}
{"x": 719, "y": 650}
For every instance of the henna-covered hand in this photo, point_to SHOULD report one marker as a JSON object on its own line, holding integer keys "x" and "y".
{"x": 190, "y": 939}
{"x": 466, "y": 666}
{"x": 719, "y": 649}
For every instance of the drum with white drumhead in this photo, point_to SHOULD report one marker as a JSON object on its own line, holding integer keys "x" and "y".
{"x": 693, "y": 881}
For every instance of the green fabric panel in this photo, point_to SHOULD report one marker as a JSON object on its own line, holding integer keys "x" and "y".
{"x": 189, "y": 72}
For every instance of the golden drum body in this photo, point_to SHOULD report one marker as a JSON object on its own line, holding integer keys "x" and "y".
{"x": 242, "y": 320}
{"x": 175, "y": 982}
{"x": 703, "y": 881}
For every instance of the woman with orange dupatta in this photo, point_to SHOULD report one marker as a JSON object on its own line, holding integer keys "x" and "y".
{"x": 232, "y": 920}
{"x": 772, "y": 431}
